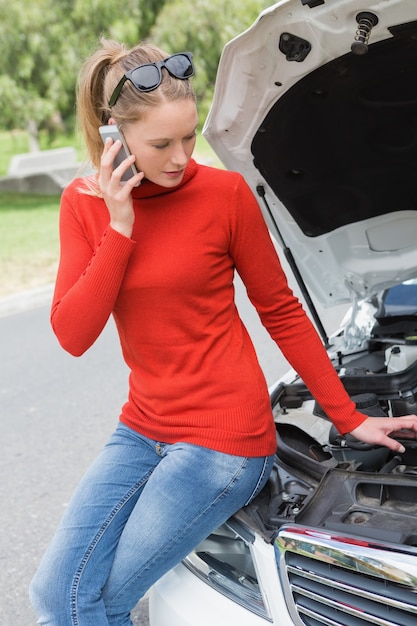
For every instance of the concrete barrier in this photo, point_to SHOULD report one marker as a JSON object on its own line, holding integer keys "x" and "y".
{"x": 42, "y": 161}
{"x": 44, "y": 172}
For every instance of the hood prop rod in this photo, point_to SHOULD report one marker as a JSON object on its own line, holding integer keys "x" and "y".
{"x": 260, "y": 189}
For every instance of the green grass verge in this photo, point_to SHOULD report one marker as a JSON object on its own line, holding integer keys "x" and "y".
{"x": 14, "y": 142}
{"x": 29, "y": 241}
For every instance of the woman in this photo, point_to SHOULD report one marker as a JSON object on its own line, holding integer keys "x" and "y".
{"x": 196, "y": 437}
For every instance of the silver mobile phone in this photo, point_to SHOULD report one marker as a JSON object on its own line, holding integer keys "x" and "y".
{"x": 113, "y": 131}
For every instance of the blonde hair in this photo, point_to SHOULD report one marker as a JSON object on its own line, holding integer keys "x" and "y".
{"x": 97, "y": 80}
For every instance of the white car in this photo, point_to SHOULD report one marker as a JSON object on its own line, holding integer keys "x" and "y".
{"x": 316, "y": 105}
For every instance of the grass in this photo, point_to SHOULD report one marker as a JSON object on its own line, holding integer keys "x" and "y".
{"x": 29, "y": 246}
{"x": 29, "y": 241}
{"x": 14, "y": 142}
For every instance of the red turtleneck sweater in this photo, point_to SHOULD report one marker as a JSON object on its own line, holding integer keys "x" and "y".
{"x": 194, "y": 372}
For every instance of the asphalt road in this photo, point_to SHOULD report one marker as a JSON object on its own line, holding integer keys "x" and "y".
{"x": 57, "y": 411}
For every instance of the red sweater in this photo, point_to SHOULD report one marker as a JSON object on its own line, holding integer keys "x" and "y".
{"x": 194, "y": 374}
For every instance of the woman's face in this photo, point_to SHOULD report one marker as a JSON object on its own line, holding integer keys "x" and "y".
{"x": 163, "y": 141}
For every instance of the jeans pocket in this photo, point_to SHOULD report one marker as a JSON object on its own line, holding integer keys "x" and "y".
{"x": 263, "y": 477}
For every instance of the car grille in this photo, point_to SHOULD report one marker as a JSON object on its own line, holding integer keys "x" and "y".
{"x": 346, "y": 581}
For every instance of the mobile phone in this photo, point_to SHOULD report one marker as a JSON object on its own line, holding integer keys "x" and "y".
{"x": 113, "y": 131}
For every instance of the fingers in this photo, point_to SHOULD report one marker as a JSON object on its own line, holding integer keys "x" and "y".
{"x": 110, "y": 150}
{"x": 109, "y": 153}
{"x": 393, "y": 445}
{"x": 115, "y": 192}
{"x": 403, "y": 428}
{"x": 381, "y": 431}
{"x": 112, "y": 172}
{"x": 120, "y": 170}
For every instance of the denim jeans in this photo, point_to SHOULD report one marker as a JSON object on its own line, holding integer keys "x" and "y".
{"x": 139, "y": 510}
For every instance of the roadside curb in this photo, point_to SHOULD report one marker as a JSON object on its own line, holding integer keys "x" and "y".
{"x": 24, "y": 300}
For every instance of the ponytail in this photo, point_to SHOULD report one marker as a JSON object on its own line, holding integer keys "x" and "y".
{"x": 92, "y": 108}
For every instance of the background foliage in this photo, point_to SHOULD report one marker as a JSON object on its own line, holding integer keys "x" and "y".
{"x": 43, "y": 45}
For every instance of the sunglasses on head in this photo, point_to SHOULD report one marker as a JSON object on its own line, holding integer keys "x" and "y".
{"x": 149, "y": 76}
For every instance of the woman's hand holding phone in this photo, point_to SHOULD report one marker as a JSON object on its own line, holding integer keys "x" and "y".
{"x": 117, "y": 177}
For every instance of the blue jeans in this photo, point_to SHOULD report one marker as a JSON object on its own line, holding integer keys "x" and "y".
{"x": 139, "y": 510}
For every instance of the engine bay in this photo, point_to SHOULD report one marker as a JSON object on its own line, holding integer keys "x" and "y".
{"x": 337, "y": 483}
{"x": 367, "y": 491}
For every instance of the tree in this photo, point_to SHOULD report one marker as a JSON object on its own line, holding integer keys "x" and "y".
{"x": 29, "y": 92}
{"x": 43, "y": 45}
{"x": 203, "y": 28}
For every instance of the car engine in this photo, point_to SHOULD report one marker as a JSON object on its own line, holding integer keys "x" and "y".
{"x": 341, "y": 514}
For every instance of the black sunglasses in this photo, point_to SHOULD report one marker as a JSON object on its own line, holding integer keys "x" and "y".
{"x": 149, "y": 76}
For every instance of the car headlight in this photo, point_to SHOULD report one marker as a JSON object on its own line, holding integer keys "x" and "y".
{"x": 224, "y": 561}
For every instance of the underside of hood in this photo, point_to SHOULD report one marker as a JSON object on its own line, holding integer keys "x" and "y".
{"x": 325, "y": 133}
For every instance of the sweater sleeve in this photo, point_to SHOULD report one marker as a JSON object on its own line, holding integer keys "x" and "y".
{"x": 282, "y": 314}
{"x": 89, "y": 276}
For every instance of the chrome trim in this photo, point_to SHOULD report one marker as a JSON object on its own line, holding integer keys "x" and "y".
{"x": 326, "y": 576}
{"x": 348, "y": 588}
{"x": 335, "y": 605}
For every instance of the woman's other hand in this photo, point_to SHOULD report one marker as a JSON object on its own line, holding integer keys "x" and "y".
{"x": 381, "y": 431}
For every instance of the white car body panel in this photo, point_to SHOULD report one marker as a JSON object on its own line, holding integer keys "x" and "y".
{"x": 353, "y": 261}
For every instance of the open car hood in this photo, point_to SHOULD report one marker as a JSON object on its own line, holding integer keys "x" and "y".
{"x": 327, "y": 137}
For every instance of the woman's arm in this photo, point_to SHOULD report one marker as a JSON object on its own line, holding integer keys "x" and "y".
{"x": 284, "y": 318}
{"x": 92, "y": 265}
{"x": 95, "y": 250}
